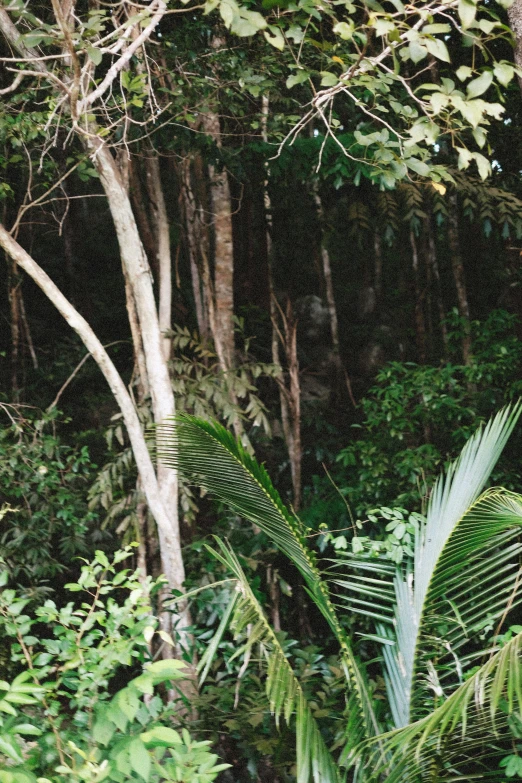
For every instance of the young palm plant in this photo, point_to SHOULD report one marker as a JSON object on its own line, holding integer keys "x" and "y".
{"x": 450, "y": 704}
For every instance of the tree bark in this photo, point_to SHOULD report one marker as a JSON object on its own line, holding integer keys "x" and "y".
{"x": 434, "y": 264}
{"x": 14, "y": 283}
{"x": 118, "y": 388}
{"x": 192, "y": 233}
{"x": 420, "y": 326}
{"x": 223, "y": 248}
{"x": 457, "y": 267}
{"x": 330, "y": 299}
{"x": 515, "y": 22}
{"x": 162, "y": 235}
{"x": 377, "y": 283}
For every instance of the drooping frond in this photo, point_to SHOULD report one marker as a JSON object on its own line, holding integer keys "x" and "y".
{"x": 445, "y": 744}
{"x": 454, "y": 540}
{"x": 209, "y": 456}
{"x": 284, "y": 692}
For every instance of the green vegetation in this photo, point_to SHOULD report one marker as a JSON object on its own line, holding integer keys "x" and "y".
{"x": 260, "y": 391}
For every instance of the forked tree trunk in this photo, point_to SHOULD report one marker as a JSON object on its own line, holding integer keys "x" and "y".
{"x": 457, "y": 267}
{"x": 139, "y": 277}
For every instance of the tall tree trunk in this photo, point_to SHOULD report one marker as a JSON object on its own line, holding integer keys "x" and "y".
{"x": 420, "y": 326}
{"x": 377, "y": 281}
{"x": 138, "y": 200}
{"x": 515, "y": 22}
{"x": 192, "y": 232}
{"x": 223, "y": 248}
{"x": 330, "y": 298}
{"x": 139, "y": 277}
{"x": 162, "y": 235}
{"x": 14, "y": 283}
{"x": 457, "y": 267}
{"x": 289, "y": 394}
{"x": 433, "y": 262}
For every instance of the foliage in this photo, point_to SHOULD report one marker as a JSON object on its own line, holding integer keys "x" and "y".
{"x": 423, "y": 615}
{"x": 43, "y": 487}
{"x": 66, "y": 715}
{"x": 415, "y": 416}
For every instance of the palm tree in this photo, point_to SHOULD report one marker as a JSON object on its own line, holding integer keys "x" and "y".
{"x": 450, "y": 706}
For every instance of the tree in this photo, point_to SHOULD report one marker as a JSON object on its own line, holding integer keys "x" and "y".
{"x": 428, "y": 612}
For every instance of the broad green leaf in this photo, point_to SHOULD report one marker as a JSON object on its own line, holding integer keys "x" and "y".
{"x": 274, "y": 36}
{"x": 161, "y": 736}
{"x": 467, "y": 11}
{"x": 95, "y": 54}
{"x": 503, "y": 72}
{"x": 479, "y": 85}
{"x": 437, "y": 48}
{"x": 168, "y": 669}
{"x": 140, "y": 758}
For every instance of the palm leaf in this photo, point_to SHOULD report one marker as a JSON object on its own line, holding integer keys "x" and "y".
{"x": 208, "y": 455}
{"x": 454, "y": 539}
{"x": 283, "y": 689}
{"x": 444, "y": 744}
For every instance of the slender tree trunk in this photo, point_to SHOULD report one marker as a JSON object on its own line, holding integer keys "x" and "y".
{"x": 377, "y": 282}
{"x": 14, "y": 308}
{"x": 434, "y": 265}
{"x": 162, "y": 232}
{"x": 169, "y": 538}
{"x": 139, "y": 208}
{"x": 28, "y": 337}
{"x": 193, "y": 249}
{"x": 420, "y": 326}
{"x": 289, "y": 395}
{"x": 223, "y": 247}
{"x": 457, "y": 267}
{"x": 330, "y": 298}
{"x": 515, "y": 22}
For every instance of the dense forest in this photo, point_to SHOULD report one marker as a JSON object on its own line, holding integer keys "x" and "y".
{"x": 260, "y": 448}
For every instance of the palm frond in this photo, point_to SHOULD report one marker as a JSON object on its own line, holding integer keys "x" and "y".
{"x": 444, "y": 744}
{"x": 454, "y": 538}
{"x": 284, "y": 692}
{"x": 208, "y": 455}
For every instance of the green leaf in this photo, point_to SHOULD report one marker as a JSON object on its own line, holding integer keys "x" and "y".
{"x": 437, "y": 48}
{"x": 345, "y": 30}
{"x": 467, "y": 11}
{"x": 297, "y": 78}
{"x": 503, "y": 72}
{"x": 274, "y": 36}
{"x": 328, "y": 79}
{"x": 140, "y": 758}
{"x": 95, "y": 54}
{"x": 419, "y": 166}
{"x": 479, "y": 85}
{"x": 168, "y": 669}
{"x": 464, "y": 72}
{"x": 161, "y": 736}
